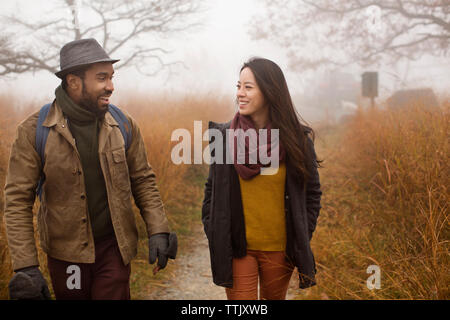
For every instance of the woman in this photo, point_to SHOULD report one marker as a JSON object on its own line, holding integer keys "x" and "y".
{"x": 259, "y": 226}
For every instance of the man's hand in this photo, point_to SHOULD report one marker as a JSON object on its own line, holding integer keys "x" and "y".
{"x": 162, "y": 246}
{"x": 29, "y": 284}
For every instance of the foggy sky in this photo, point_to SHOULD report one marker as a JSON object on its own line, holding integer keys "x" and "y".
{"x": 213, "y": 55}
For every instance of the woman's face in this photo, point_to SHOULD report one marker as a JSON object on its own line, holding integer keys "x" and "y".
{"x": 250, "y": 98}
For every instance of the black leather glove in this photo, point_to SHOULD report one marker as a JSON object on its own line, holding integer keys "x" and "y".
{"x": 162, "y": 246}
{"x": 29, "y": 284}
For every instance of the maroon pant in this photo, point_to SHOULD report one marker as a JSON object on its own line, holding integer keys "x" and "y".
{"x": 106, "y": 279}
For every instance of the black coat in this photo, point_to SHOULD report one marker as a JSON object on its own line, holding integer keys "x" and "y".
{"x": 222, "y": 200}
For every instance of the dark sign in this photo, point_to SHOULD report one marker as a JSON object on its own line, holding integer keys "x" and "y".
{"x": 370, "y": 84}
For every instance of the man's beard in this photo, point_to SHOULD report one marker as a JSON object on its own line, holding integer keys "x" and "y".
{"x": 90, "y": 104}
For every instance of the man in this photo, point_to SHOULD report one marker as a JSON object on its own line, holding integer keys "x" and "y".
{"x": 85, "y": 220}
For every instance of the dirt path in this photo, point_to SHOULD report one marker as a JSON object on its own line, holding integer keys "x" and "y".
{"x": 192, "y": 278}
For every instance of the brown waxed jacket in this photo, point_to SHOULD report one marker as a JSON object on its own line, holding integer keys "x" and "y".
{"x": 62, "y": 219}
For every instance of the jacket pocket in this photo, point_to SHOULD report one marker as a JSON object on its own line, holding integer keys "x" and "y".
{"x": 119, "y": 172}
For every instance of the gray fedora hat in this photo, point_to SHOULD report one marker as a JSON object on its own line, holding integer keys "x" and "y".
{"x": 80, "y": 53}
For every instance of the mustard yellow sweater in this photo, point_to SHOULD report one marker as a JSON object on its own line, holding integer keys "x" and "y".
{"x": 263, "y": 204}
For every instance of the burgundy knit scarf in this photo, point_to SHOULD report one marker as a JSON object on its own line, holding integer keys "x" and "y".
{"x": 248, "y": 170}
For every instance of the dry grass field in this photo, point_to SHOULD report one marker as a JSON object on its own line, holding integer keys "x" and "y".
{"x": 385, "y": 196}
{"x": 385, "y": 202}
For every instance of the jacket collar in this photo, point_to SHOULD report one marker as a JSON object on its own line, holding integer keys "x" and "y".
{"x": 55, "y": 116}
{"x": 109, "y": 119}
{"x": 220, "y": 126}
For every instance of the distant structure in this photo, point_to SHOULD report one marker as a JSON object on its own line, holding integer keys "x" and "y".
{"x": 413, "y": 97}
{"x": 369, "y": 86}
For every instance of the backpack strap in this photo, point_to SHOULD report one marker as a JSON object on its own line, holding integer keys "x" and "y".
{"x": 124, "y": 124}
{"x": 41, "y": 140}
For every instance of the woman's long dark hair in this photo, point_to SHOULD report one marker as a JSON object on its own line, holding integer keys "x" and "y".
{"x": 284, "y": 116}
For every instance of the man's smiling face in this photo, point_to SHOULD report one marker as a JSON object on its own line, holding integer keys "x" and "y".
{"x": 97, "y": 87}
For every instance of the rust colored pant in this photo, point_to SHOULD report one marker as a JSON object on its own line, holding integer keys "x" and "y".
{"x": 106, "y": 279}
{"x": 272, "y": 269}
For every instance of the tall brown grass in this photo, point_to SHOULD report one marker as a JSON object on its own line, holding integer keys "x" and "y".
{"x": 385, "y": 202}
{"x": 181, "y": 186}
{"x": 385, "y": 197}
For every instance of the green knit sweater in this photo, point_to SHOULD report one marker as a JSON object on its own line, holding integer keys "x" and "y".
{"x": 84, "y": 126}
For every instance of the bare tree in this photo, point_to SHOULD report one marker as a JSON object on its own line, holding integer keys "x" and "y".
{"x": 337, "y": 32}
{"x": 122, "y": 27}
